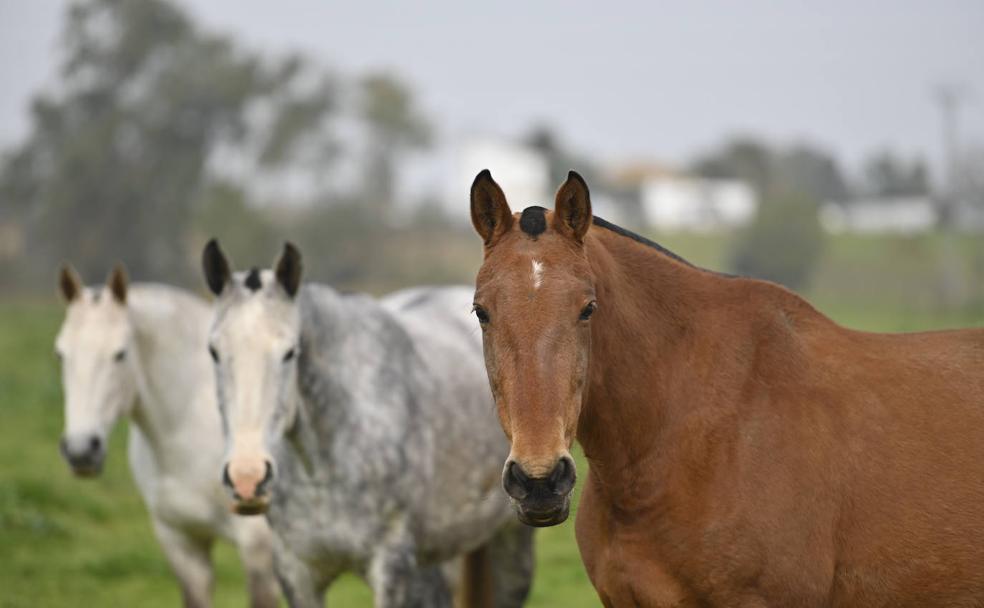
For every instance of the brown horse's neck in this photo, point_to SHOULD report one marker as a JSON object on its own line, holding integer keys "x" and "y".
{"x": 644, "y": 364}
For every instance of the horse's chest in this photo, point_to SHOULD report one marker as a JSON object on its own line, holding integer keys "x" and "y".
{"x": 183, "y": 505}
{"x": 623, "y": 576}
{"x": 622, "y": 562}
{"x": 326, "y": 522}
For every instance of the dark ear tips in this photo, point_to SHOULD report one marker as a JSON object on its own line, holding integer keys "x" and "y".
{"x": 117, "y": 283}
{"x": 490, "y": 213}
{"x": 289, "y": 269}
{"x": 572, "y": 211}
{"x": 69, "y": 283}
{"x": 483, "y": 176}
{"x": 215, "y": 267}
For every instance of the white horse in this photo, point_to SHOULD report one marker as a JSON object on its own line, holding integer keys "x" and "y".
{"x": 140, "y": 352}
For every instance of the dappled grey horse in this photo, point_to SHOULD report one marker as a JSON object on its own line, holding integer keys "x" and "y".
{"x": 139, "y": 351}
{"x": 365, "y": 430}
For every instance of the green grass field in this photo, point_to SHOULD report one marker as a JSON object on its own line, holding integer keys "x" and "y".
{"x": 66, "y": 542}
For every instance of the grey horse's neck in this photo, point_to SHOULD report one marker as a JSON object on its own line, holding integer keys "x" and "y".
{"x": 356, "y": 379}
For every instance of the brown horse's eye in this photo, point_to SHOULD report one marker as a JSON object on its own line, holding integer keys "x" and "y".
{"x": 483, "y": 316}
{"x": 588, "y": 311}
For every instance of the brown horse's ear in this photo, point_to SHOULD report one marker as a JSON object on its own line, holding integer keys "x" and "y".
{"x": 69, "y": 283}
{"x": 117, "y": 283}
{"x": 572, "y": 211}
{"x": 490, "y": 212}
{"x": 289, "y": 269}
{"x": 216, "y": 267}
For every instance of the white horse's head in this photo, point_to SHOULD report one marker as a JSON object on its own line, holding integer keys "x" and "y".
{"x": 254, "y": 342}
{"x": 95, "y": 345}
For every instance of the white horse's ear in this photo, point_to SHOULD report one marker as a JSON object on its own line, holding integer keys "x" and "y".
{"x": 117, "y": 283}
{"x": 69, "y": 283}
{"x": 288, "y": 269}
{"x": 216, "y": 267}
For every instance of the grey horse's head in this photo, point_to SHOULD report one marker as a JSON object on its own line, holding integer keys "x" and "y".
{"x": 254, "y": 342}
{"x": 99, "y": 373}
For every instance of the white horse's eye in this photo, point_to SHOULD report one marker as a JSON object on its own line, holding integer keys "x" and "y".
{"x": 289, "y": 355}
{"x": 214, "y": 353}
{"x": 120, "y": 355}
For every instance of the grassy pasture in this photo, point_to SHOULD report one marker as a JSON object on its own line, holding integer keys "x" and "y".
{"x": 65, "y": 542}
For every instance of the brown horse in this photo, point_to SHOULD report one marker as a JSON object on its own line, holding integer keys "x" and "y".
{"x": 744, "y": 449}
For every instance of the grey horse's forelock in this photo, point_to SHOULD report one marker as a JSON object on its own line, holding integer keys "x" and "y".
{"x": 245, "y": 285}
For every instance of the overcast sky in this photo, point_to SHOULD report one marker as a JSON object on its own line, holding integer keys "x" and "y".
{"x": 619, "y": 80}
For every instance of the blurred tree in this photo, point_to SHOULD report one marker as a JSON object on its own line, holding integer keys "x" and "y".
{"x": 887, "y": 175}
{"x": 559, "y": 158}
{"x": 811, "y": 172}
{"x": 783, "y": 244}
{"x": 742, "y": 158}
{"x": 117, "y": 160}
{"x": 394, "y": 125}
{"x": 240, "y": 227}
{"x": 802, "y": 169}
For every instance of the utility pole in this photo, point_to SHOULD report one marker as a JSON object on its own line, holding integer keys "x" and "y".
{"x": 952, "y": 286}
{"x": 949, "y": 96}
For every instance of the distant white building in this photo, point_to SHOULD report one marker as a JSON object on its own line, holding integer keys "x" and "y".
{"x": 901, "y": 215}
{"x": 523, "y": 173}
{"x": 677, "y": 203}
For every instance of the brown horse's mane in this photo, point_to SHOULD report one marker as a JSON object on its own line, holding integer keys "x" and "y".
{"x": 603, "y": 223}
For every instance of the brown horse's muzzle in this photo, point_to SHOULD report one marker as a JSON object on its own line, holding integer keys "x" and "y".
{"x": 541, "y": 501}
{"x": 249, "y": 486}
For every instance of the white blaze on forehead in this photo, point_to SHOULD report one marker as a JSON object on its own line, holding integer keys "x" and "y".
{"x": 537, "y": 274}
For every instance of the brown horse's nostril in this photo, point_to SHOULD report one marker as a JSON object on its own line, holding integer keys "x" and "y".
{"x": 563, "y": 477}
{"x": 521, "y": 486}
{"x": 516, "y": 483}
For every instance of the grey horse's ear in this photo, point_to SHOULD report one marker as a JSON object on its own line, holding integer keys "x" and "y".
{"x": 69, "y": 283}
{"x": 216, "y": 267}
{"x": 117, "y": 283}
{"x": 289, "y": 269}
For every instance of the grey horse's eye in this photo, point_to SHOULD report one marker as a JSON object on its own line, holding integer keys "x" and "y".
{"x": 120, "y": 355}
{"x": 289, "y": 355}
{"x": 214, "y": 353}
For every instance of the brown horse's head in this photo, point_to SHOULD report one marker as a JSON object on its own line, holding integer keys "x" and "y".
{"x": 534, "y": 298}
